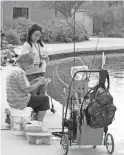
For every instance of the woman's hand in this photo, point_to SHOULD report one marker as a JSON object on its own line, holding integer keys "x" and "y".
{"x": 10, "y": 46}
{"x": 45, "y": 57}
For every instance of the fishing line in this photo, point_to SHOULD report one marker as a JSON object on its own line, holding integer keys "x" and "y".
{"x": 74, "y": 35}
{"x": 65, "y": 84}
{"x": 52, "y": 108}
{"x": 94, "y": 56}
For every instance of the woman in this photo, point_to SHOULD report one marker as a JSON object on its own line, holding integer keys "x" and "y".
{"x": 37, "y": 49}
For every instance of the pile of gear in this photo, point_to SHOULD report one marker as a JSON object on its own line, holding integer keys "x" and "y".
{"x": 100, "y": 111}
{"x": 22, "y": 122}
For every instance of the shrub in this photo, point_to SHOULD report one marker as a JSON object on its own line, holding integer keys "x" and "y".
{"x": 55, "y": 30}
{"x": 20, "y": 26}
{"x": 12, "y": 38}
{"x": 63, "y": 31}
{"x": 117, "y": 32}
{"x": 108, "y": 21}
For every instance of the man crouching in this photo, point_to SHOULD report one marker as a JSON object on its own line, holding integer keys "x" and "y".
{"x": 19, "y": 88}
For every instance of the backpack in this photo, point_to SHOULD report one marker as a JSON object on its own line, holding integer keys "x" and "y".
{"x": 101, "y": 111}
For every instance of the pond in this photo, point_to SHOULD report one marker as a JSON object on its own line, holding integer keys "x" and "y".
{"x": 114, "y": 63}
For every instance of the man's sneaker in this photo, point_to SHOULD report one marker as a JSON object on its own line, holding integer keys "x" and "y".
{"x": 43, "y": 128}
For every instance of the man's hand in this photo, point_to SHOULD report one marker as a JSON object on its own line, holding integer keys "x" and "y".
{"x": 42, "y": 81}
{"x": 48, "y": 80}
{"x": 34, "y": 80}
{"x": 35, "y": 84}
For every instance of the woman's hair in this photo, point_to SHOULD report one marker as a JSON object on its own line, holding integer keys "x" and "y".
{"x": 31, "y": 30}
{"x": 25, "y": 58}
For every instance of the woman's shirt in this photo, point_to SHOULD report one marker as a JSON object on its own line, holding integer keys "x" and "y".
{"x": 38, "y": 51}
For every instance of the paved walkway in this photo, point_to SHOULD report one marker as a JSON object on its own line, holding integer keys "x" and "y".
{"x": 15, "y": 145}
{"x": 100, "y": 43}
{"x": 106, "y": 44}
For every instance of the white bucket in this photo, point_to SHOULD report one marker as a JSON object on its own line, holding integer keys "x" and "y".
{"x": 18, "y": 118}
{"x": 81, "y": 75}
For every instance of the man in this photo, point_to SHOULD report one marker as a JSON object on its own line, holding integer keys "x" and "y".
{"x": 19, "y": 89}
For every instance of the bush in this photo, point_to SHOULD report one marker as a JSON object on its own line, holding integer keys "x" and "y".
{"x": 20, "y": 26}
{"x": 55, "y": 30}
{"x": 117, "y": 32}
{"x": 109, "y": 21}
{"x": 63, "y": 31}
{"x": 12, "y": 38}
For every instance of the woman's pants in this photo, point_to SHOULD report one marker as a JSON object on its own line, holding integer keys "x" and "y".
{"x": 41, "y": 90}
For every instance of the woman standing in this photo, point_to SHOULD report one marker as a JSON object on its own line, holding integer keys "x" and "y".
{"x": 37, "y": 49}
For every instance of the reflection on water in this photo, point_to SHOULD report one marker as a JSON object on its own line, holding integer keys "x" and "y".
{"x": 114, "y": 62}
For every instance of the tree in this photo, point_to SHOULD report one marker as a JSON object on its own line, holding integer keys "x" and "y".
{"x": 116, "y": 3}
{"x": 64, "y": 7}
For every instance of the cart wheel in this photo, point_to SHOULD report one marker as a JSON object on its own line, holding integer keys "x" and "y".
{"x": 65, "y": 144}
{"x": 109, "y": 142}
{"x": 94, "y": 146}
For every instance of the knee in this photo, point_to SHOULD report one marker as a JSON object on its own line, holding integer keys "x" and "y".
{"x": 46, "y": 98}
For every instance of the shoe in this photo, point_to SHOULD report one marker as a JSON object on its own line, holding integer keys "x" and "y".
{"x": 43, "y": 128}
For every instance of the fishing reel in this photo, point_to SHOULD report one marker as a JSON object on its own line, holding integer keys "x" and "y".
{"x": 52, "y": 109}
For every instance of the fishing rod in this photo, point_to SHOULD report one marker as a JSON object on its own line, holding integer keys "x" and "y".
{"x": 94, "y": 55}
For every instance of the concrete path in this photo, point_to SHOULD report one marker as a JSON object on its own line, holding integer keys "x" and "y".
{"x": 16, "y": 145}
{"x": 86, "y": 46}
{"x": 100, "y": 43}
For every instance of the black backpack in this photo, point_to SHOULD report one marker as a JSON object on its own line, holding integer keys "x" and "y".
{"x": 101, "y": 111}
